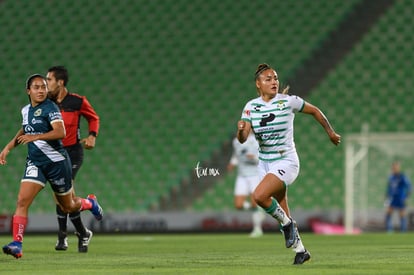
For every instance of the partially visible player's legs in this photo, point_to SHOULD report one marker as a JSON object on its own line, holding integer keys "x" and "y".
{"x": 241, "y": 203}
{"x": 242, "y": 190}
{"x": 74, "y": 205}
{"x": 62, "y": 217}
{"x": 67, "y": 199}
{"x": 388, "y": 220}
{"x": 75, "y": 218}
{"x": 263, "y": 196}
{"x": 258, "y": 216}
{"x": 271, "y": 194}
{"x": 84, "y": 239}
{"x": 302, "y": 255}
{"x": 71, "y": 203}
{"x": 27, "y": 193}
{"x": 403, "y": 220}
{"x": 84, "y": 235}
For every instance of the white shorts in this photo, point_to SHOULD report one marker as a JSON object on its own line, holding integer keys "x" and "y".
{"x": 246, "y": 185}
{"x": 286, "y": 169}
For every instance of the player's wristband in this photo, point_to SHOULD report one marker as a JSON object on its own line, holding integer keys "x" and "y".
{"x": 92, "y": 133}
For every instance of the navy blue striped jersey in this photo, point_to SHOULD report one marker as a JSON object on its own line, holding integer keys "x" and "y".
{"x": 38, "y": 120}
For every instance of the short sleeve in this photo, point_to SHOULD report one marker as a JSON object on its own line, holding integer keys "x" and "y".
{"x": 246, "y": 114}
{"x": 54, "y": 113}
{"x": 297, "y": 103}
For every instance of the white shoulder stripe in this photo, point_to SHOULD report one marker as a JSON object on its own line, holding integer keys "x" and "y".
{"x": 49, "y": 151}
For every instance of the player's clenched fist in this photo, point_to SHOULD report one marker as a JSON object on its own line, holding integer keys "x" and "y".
{"x": 241, "y": 125}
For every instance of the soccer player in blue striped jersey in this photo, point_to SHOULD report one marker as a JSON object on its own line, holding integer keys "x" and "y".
{"x": 270, "y": 116}
{"x": 42, "y": 130}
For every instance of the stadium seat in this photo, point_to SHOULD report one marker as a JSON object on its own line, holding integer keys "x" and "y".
{"x": 170, "y": 81}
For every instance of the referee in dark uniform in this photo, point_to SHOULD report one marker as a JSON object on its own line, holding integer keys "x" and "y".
{"x": 72, "y": 107}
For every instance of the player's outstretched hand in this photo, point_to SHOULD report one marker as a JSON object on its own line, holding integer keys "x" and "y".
{"x": 335, "y": 138}
{"x": 3, "y": 155}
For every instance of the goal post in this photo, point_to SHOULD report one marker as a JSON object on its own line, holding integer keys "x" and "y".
{"x": 368, "y": 158}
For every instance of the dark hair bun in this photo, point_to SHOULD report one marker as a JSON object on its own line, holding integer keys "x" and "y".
{"x": 261, "y": 68}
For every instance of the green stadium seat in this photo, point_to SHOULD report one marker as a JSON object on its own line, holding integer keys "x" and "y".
{"x": 169, "y": 87}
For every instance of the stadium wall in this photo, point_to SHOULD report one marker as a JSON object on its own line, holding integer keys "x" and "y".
{"x": 206, "y": 222}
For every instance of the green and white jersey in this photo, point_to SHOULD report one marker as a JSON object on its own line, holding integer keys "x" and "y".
{"x": 272, "y": 124}
{"x": 245, "y": 156}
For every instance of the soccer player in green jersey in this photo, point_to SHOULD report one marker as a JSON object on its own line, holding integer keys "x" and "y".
{"x": 246, "y": 157}
{"x": 270, "y": 116}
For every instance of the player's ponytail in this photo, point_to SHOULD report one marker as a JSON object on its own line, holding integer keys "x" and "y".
{"x": 284, "y": 90}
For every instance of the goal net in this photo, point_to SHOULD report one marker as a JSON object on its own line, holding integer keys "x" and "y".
{"x": 368, "y": 159}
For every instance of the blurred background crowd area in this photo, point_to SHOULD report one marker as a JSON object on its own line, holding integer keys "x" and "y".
{"x": 169, "y": 79}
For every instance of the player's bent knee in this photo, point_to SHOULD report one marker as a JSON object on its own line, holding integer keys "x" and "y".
{"x": 259, "y": 197}
{"x": 70, "y": 209}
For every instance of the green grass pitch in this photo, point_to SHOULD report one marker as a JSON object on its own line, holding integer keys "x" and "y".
{"x": 369, "y": 253}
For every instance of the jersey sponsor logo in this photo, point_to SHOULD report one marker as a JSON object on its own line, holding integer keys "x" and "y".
{"x": 38, "y": 112}
{"x": 61, "y": 190}
{"x": 55, "y": 115}
{"x": 59, "y": 182}
{"x": 247, "y": 112}
{"x": 59, "y": 185}
{"x": 267, "y": 118}
{"x": 28, "y": 129}
{"x": 32, "y": 171}
{"x": 268, "y": 136}
{"x": 36, "y": 121}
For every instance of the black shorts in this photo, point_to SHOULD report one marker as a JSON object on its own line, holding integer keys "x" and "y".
{"x": 76, "y": 157}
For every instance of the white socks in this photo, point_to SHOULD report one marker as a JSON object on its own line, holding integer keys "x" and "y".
{"x": 258, "y": 217}
{"x": 298, "y": 246}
